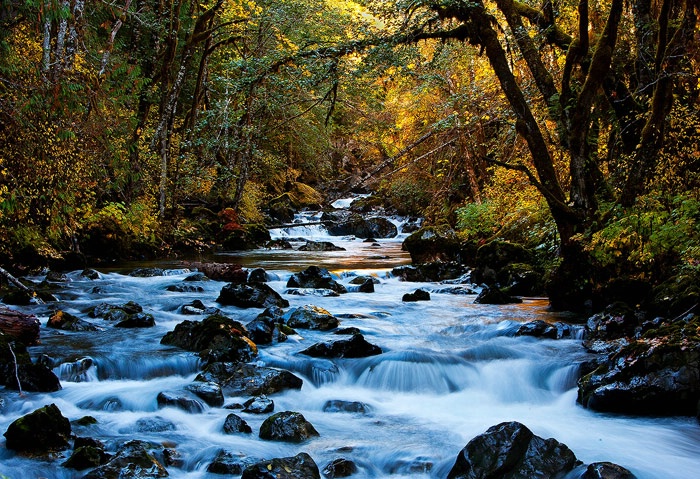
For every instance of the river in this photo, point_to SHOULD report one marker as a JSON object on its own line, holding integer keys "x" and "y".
{"x": 450, "y": 369}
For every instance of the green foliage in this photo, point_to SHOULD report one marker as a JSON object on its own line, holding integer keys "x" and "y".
{"x": 135, "y": 223}
{"x": 656, "y": 232}
{"x": 477, "y": 220}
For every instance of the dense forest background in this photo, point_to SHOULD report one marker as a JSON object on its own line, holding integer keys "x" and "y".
{"x": 147, "y": 127}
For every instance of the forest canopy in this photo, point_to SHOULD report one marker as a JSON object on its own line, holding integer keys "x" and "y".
{"x": 568, "y": 126}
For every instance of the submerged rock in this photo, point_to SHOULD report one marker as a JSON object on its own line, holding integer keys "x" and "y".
{"x": 42, "y": 431}
{"x": 259, "y": 405}
{"x": 180, "y": 401}
{"x": 238, "y": 379}
{"x": 511, "y": 451}
{"x": 337, "y": 405}
{"x": 417, "y": 295}
{"x": 606, "y": 470}
{"x": 355, "y": 347}
{"x": 339, "y": 467}
{"x": 229, "y": 463}
{"x": 209, "y": 392}
{"x": 287, "y": 426}
{"x": 297, "y": 467}
{"x": 133, "y": 460}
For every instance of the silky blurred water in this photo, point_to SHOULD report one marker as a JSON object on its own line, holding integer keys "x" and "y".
{"x": 450, "y": 369}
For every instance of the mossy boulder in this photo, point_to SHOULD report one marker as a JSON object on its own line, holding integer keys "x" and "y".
{"x": 287, "y": 426}
{"x": 433, "y": 243}
{"x": 42, "y": 431}
{"x": 657, "y": 374}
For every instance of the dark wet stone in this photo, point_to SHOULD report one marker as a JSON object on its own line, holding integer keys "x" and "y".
{"x": 315, "y": 277}
{"x": 68, "y": 322}
{"x": 348, "y": 331}
{"x": 258, "y": 275}
{"x": 197, "y": 307}
{"x": 417, "y": 295}
{"x": 606, "y": 470}
{"x": 511, "y": 451}
{"x": 248, "y": 379}
{"x": 301, "y": 466}
{"x": 154, "y": 424}
{"x": 56, "y": 277}
{"x": 41, "y": 431}
{"x": 86, "y": 457}
{"x": 209, "y": 392}
{"x": 355, "y": 347}
{"x": 494, "y": 295}
{"x": 133, "y": 460}
{"x": 228, "y": 463}
{"x": 15, "y": 363}
{"x": 137, "y": 320}
{"x": 320, "y": 246}
{"x": 311, "y": 317}
{"x": 197, "y": 276}
{"x": 337, "y": 405}
{"x": 339, "y": 467}
{"x": 147, "y": 272}
{"x": 287, "y": 426}
{"x": 90, "y": 274}
{"x": 235, "y": 424}
{"x": 259, "y": 405}
{"x": 254, "y": 295}
{"x": 173, "y": 399}
{"x": 538, "y": 329}
{"x": 184, "y": 288}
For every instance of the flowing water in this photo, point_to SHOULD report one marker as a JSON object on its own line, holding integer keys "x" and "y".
{"x": 450, "y": 370}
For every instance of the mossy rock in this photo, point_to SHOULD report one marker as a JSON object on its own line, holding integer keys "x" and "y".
{"x": 305, "y": 196}
{"x": 497, "y": 254}
{"x": 287, "y": 426}
{"x": 678, "y": 294}
{"x": 433, "y": 243}
{"x": 42, "y": 431}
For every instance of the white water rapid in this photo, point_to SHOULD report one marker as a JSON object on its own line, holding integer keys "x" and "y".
{"x": 450, "y": 369}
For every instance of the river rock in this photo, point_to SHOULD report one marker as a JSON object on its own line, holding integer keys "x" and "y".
{"x": 68, "y": 322}
{"x": 321, "y": 292}
{"x": 216, "y": 338}
{"x": 209, "y": 392}
{"x": 180, "y": 401}
{"x": 87, "y": 453}
{"x": 339, "y": 467}
{"x": 137, "y": 320}
{"x": 235, "y": 424}
{"x": 539, "y": 329}
{"x": 337, "y": 405}
{"x": 433, "y": 243}
{"x": 259, "y": 405}
{"x": 18, "y": 325}
{"x": 196, "y": 307}
{"x": 254, "y": 295}
{"x": 257, "y": 275}
{"x": 521, "y": 279}
{"x": 229, "y": 463}
{"x": 359, "y": 226}
{"x": 494, "y": 295}
{"x": 365, "y": 286}
{"x": 15, "y": 364}
{"x": 184, "y": 288}
{"x": 230, "y": 273}
{"x": 618, "y": 320}
{"x": 147, "y": 272}
{"x": 264, "y": 329}
{"x": 287, "y": 426}
{"x": 657, "y": 374}
{"x": 238, "y": 379}
{"x": 317, "y": 278}
{"x": 42, "y": 431}
{"x": 297, "y": 467}
{"x": 320, "y": 246}
{"x": 511, "y": 451}
{"x": 133, "y": 460}
{"x": 417, "y": 295}
{"x": 606, "y": 470}
{"x": 436, "y": 271}
{"x": 355, "y": 347}
{"x": 90, "y": 273}
{"x": 311, "y": 317}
